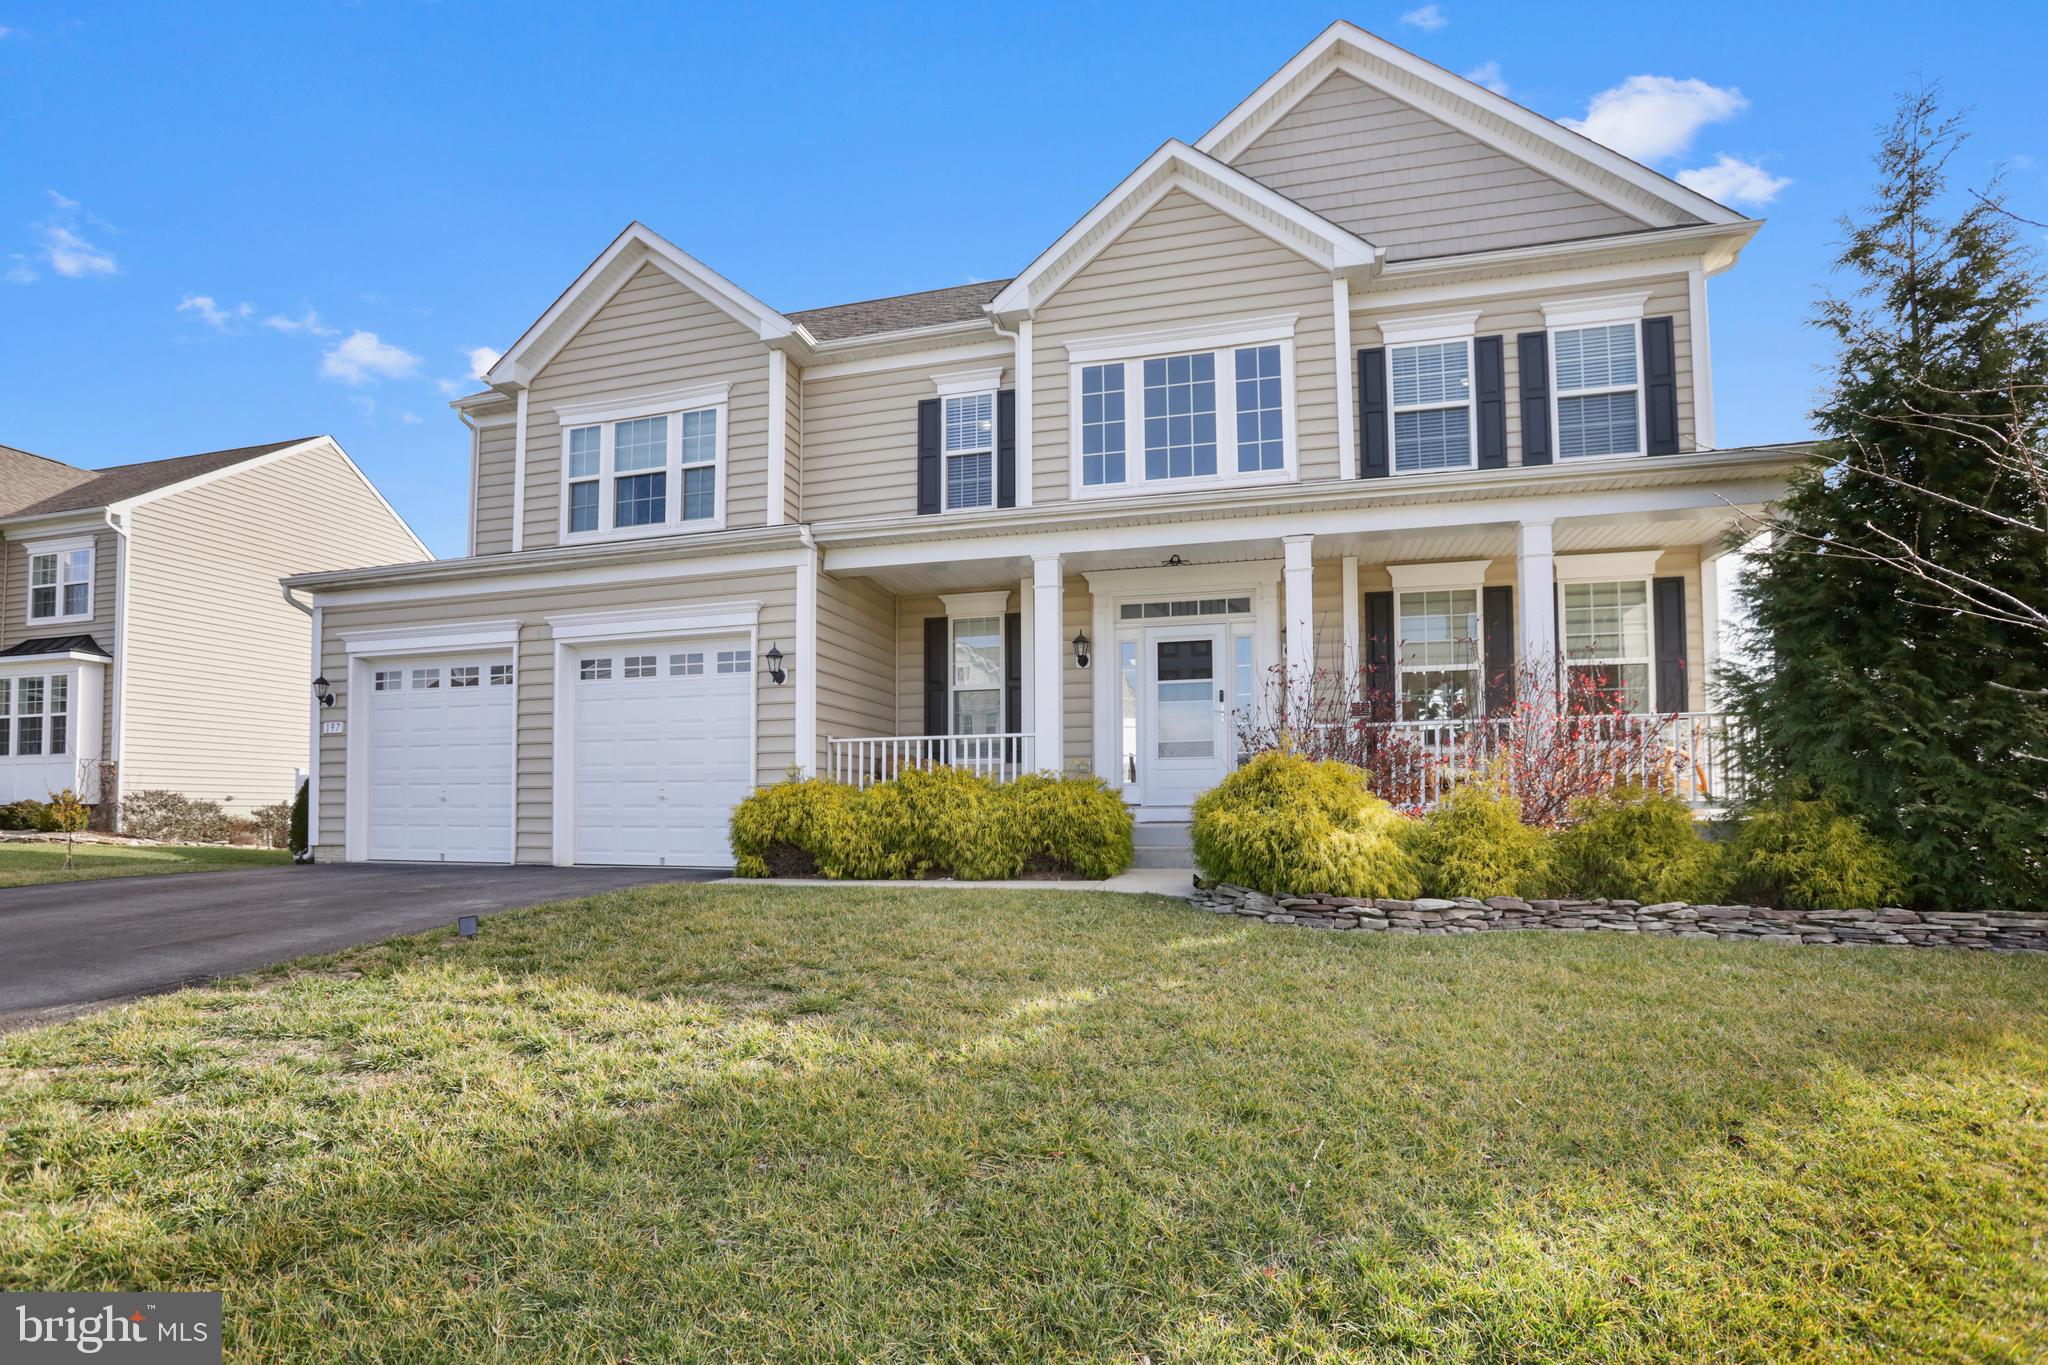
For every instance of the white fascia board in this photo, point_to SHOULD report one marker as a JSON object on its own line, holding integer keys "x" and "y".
{"x": 31, "y": 663}
{"x": 1178, "y": 166}
{"x": 527, "y": 357}
{"x": 1571, "y": 151}
{"x": 909, "y": 360}
{"x": 595, "y": 576}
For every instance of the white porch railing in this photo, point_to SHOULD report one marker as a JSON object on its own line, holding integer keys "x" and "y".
{"x": 864, "y": 761}
{"x": 1691, "y": 754}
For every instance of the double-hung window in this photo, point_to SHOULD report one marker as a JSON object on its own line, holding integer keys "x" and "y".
{"x": 1212, "y": 412}
{"x": 60, "y": 583}
{"x": 1437, "y": 653}
{"x": 644, "y": 466}
{"x": 1432, "y": 405}
{"x": 969, "y": 429}
{"x": 1596, "y": 374}
{"x": 1607, "y": 642}
{"x": 977, "y": 682}
{"x": 35, "y": 716}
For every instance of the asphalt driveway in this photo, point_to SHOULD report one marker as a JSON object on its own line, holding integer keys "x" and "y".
{"x": 67, "y": 947}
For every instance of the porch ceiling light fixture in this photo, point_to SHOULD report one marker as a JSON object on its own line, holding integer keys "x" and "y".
{"x": 1081, "y": 649}
{"x": 323, "y": 691}
{"x": 775, "y": 669}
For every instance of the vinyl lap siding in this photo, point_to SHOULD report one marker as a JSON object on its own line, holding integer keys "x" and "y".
{"x": 654, "y": 334}
{"x": 1506, "y": 316}
{"x": 1183, "y": 262}
{"x": 1414, "y": 185}
{"x": 793, "y": 446}
{"x": 533, "y": 825}
{"x": 856, "y": 660}
{"x": 217, "y": 660}
{"x": 496, "y": 462}
{"x": 860, "y": 457}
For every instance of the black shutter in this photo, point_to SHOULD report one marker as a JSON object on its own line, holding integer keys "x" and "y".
{"x": 1006, "y": 449}
{"x": 1013, "y": 672}
{"x": 1372, "y": 414}
{"x": 928, "y": 499}
{"x": 1490, "y": 387}
{"x": 1660, "y": 386}
{"x": 1534, "y": 359}
{"x": 938, "y": 671}
{"x": 1379, "y": 657}
{"x": 1669, "y": 596}
{"x": 1497, "y": 612}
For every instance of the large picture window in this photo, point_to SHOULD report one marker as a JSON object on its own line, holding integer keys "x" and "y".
{"x": 644, "y": 472}
{"x": 60, "y": 583}
{"x": 1437, "y": 653}
{"x": 1598, "y": 381}
{"x": 1607, "y": 642}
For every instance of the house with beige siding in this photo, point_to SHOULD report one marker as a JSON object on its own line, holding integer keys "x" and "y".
{"x": 145, "y": 643}
{"x": 1383, "y": 377}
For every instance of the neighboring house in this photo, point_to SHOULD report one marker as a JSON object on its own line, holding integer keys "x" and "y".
{"x": 144, "y": 640}
{"x": 1383, "y": 372}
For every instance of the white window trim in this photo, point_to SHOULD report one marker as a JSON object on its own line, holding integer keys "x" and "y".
{"x": 12, "y": 716}
{"x": 605, "y": 414}
{"x": 975, "y": 385}
{"x": 1395, "y": 409}
{"x": 1223, "y": 340}
{"x": 1463, "y": 576}
{"x": 1601, "y": 310}
{"x": 1588, "y": 579}
{"x": 975, "y": 606}
{"x": 61, "y": 548}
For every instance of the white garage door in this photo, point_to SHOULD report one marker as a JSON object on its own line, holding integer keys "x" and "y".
{"x": 441, "y": 759}
{"x": 664, "y": 748}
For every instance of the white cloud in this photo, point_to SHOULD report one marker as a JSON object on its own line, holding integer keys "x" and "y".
{"x": 362, "y": 357}
{"x": 1488, "y": 75}
{"x": 1652, "y": 117}
{"x": 366, "y": 406}
{"x": 1734, "y": 182}
{"x": 411, "y": 419}
{"x": 20, "y": 270}
{"x": 308, "y": 321}
{"x": 212, "y": 313}
{"x": 62, "y": 246}
{"x": 481, "y": 358}
{"x": 72, "y": 256}
{"x": 1428, "y": 18}
{"x": 451, "y": 388}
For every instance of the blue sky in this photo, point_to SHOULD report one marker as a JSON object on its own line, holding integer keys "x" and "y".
{"x": 366, "y": 193}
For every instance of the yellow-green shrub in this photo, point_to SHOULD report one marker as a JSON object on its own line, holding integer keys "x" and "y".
{"x": 1283, "y": 824}
{"x": 781, "y": 831}
{"x": 872, "y": 841}
{"x": 1807, "y": 855}
{"x": 1475, "y": 844}
{"x": 1630, "y": 844}
{"x": 1077, "y": 825}
{"x": 954, "y": 825}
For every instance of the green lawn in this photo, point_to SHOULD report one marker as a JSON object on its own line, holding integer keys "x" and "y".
{"x": 34, "y": 864}
{"x": 788, "y": 1123}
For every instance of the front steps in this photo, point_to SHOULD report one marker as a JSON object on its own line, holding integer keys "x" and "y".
{"x": 1164, "y": 844}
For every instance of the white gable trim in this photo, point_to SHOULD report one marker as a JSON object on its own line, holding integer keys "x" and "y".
{"x": 638, "y": 245}
{"x": 1177, "y": 166}
{"x": 1594, "y": 170}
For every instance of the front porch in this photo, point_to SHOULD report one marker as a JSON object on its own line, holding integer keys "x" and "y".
{"x": 1152, "y": 655}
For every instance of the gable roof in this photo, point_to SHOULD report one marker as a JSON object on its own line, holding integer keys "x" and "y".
{"x": 119, "y": 483}
{"x": 27, "y": 478}
{"x": 899, "y": 312}
{"x": 637, "y": 246}
{"x": 1573, "y": 158}
{"x": 1177, "y": 166}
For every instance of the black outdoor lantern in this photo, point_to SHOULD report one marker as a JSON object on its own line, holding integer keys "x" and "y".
{"x": 775, "y": 669}
{"x": 323, "y": 691}
{"x": 1081, "y": 649}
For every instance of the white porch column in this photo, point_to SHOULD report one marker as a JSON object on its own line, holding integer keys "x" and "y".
{"x": 806, "y": 660}
{"x": 1298, "y": 607}
{"x": 1536, "y": 599}
{"x": 1047, "y": 615}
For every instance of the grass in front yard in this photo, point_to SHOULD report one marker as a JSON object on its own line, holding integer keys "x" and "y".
{"x": 33, "y": 864}
{"x": 794, "y": 1123}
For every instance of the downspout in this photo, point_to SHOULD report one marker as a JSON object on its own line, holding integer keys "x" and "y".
{"x": 312, "y": 733}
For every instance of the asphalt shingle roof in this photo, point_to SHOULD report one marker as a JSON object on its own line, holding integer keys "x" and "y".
{"x": 901, "y": 312}
{"x": 26, "y": 478}
{"x": 99, "y": 487}
{"x": 55, "y": 644}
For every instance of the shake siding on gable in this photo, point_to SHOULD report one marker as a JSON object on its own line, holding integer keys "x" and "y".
{"x": 533, "y": 829}
{"x": 1414, "y": 185}
{"x": 496, "y": 460}
{"x": 1183, "y": 262}
{"x": 217, "y": 660}
{"x": 860, "y": 440}
{"x": 106, "y": 576}
{"x": 1507, "y": 315}
{"x": 654, "y": 334}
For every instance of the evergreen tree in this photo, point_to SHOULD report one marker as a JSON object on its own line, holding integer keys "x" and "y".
{"x": 1900, "y": 595}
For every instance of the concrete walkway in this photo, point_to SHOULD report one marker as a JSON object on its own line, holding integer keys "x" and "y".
{"x": 1139, "y": 881}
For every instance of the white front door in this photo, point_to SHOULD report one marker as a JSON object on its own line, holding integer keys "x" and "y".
{"x": 440, "y": 749}
{"x": 664, "y": 750}
{"x": 1185, "y": 748}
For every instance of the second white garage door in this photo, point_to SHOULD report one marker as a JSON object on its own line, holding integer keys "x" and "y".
{"x": 664, "y": 750}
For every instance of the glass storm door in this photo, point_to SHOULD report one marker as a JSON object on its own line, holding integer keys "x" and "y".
{"x": 1186, "y": 750}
